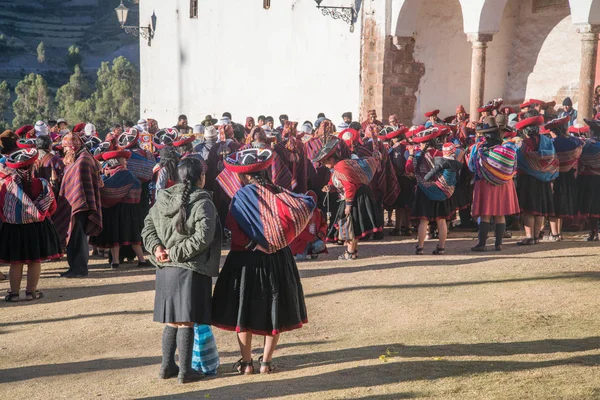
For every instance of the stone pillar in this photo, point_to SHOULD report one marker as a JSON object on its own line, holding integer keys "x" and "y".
{"x": 587, "y": 74}
{"x": 480, "y": 42}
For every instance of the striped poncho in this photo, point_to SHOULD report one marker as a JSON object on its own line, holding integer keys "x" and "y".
{"x": 17, "y": 206}
{"x": 590, "y": 158}
{"x": 541, "y": 163}
{"x": 496, "y": 165}
{"x": 442, "y": 186}
{"x": 120, "y": 186}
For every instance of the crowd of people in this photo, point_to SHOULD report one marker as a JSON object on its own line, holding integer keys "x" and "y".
{"x": 278, "y": 195}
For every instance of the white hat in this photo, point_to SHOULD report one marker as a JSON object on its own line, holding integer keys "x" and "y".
{"x": 210, "y": 132}
{"x": 90, "y": 129}
{"x": 41, "y": 129}
{"x": 306, "y": 128}
{"x": 198, "y": 129}
{"x": 142, "y": 125}
{"x": 224, "y": 121}
{"x": 61, "y": 120}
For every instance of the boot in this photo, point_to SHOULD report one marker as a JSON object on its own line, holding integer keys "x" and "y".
{"x": 500, "y": 229}
{"x": 484, "y": 229}
{"x": 168, "y": 368}
{"x": 185, "y": 344}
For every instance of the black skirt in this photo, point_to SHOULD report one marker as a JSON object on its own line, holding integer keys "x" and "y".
{"x": 589, "y": 196}
{"x": 565, "y": 195}
{"x": 29, "y": 243}
{"x": 182, "y": 295}
{"x": 366, "y": 215}
{"x": 407, "y": 192}
{"x": 431, "y": 210}
{"x": 535, "y": 196}
{"x": 462, "y": 197}
{"x": 120, "y": 227}
{"x": 259, "y": 293}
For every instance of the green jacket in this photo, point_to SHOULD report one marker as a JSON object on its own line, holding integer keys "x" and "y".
{"x": 200, "y": 251}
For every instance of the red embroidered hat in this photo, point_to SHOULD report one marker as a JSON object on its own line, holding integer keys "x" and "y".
{"x": 250, "y": 160}
{"x": 101, "y": 149}
{"x": 579, "y": 129}
{"x": 128, "y": 139}
{"x": 165, "y": 137}
{"x": 79, "y": 128}
{"x": 425, "y": 135}
{"x": 432, "y": 113}
{"x": 486, "y": 108}
{"x": 391, "y": 135}
{"x": 109, "y": 155}
{"x": 22, "y": 158}
{"x": 91, "y": 142}
{"x": 538, "y": 120}
{"x": 526, "y": 104}
{"x": 415, "y": 130}
{"x": 184, "y": 141}
{"x": 26, "y": 143}
{"x": 25, "y": 129}
{"x": 557, "y": 122}
{"x": 536, "y": 102}
{"x": 509, "y": 133}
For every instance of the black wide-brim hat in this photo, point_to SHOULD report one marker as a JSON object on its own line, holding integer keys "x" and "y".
{"x": 594, "y": 126}
{"x": 328, "y": 150}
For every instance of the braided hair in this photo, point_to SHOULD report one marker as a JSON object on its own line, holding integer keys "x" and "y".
{"x": 169, "y": 158}
{"x": 189, "y": 171}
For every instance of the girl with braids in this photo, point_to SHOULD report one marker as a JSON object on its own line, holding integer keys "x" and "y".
{"x": 27, "y": 233}
{"x": 167, "y": 172}
{"x": 537, "y": 167}
{"x": 183, "y": 235}
{"x": 259, "y": 290}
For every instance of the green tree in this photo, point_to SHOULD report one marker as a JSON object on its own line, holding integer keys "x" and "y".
{"x": 33, "y": 100}
{"x": 74, "y": 58}
{"x": 41, "y": 53}
{"x": 117, "y": 95}
{"x": 72, "y": 99}
{"x": 4, "y": 99}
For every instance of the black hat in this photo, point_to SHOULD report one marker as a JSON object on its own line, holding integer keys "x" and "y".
{"x": 568, "y": 102}
{"x": 328, "y": 150}
{"x": 594, "y": 126}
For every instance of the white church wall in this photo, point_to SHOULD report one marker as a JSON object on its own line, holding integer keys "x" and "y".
{"x": 238, "y": 57}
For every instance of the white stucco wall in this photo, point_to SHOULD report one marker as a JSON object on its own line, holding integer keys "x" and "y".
{"x": 546, "y": 56}
{"x": 241, "y": 58}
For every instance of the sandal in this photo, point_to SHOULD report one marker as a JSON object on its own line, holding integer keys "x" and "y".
{"x": 266, "y": 364}
{"x": 35, "y": 295}
{"x": 12, "y": 297}
{"x": 593, "y": 237}
{"x": 418, "y": 250}
{"x": 526, "y": 242}
{"x": 242, "y": 366}
{"x": 346, "y": 255}
{"x": 439, "y": 251}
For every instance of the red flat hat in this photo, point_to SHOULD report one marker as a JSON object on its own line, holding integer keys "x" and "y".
{"x": 509, "y": 134}
{"x": 22, "y": 158}
{"x": 79, "y": 127}
{"x": 544, "y": 130}
{"x": 443, "y": 129}
{"x": 526, "y": 105}
{"x": 426, "y": 135}
{"x": 412, "y": 132}
{"x": 536, "y": 102}
{"x": 557, "y": 122}
{"x": 486, "y": 108}
{"x": 101, "y": 149}
{"x": 349, "y": 136}
{"x": 579, "y": 130}
{"x": 184, "y": 141}
{"x": 397, "y": 133}
{"x": 128, "y": 139}
{"x": 109, "y": 155}
{"x": 22, "y": 131}
{"x": 165, "y": 137}
{"x": 26, "y": 143}
{"x": 539, "y": 120}
{"x": 249, "y": 161}
{"x": 432, "y": 113}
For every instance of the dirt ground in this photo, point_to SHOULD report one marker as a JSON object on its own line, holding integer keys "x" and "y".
{"x": 521, "y": 324}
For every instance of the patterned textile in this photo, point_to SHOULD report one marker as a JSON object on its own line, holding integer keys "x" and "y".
{"x": 80, "y": 192}
{"x": 568, "y": 160}
{"x": 359, "y": 171}
{"x": 205, "y": 357}
{"x": 18, "y": 207}
{"x": 120, "y": 186}
{"x": 590, "y": 158}
{"x": 495, "y": 165}
{"x": 542, "y": 163}
{"x": 141, "y": 165}
{"x": 271, "y": 216}
{"x": 441, "y": 187}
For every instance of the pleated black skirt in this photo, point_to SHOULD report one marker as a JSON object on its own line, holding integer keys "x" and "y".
{"x": 535, "y": 196}
{"x": 431, "y": 210}
{"x": 259, "y": 293}
{"x": 182, "y": 295}
{"x": 366, "y": 215}
{"x": 120, "y": 227}
{"x": 565, "y": 195}
{"x": 589, "y": 196}
{"x": 407, "y": 192}
{"x": 29, "y": 243}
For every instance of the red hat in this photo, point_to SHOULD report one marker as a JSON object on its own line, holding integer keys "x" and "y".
{"x": 425, "y": 135}
{"x": 557, "y": 122}
{"x": 432, "y": 113}
{"x": 250, "y": 160}
{"x": 184, "y": 141}
{"x": 101, "y": 149}
{"x": 25, "y": 129}
{"x": 109, "y": 155}
{"x": 26, "y": 143}
{"x": 536, "y": 102}
{"x": 449, "y": 149}
{"x": 400, "y": 131}
{"x": 79, "y": 127}
{"x": 349, "y": 136}
{"x": 165, "y": 137}
{"x": 22, "y": 158}
{"x": 460, "y": 110}
{"x": 526, "y": 105}
{"x": 415, "y": 130}
{"x": 579, "y": 129}
{"x": 539, "y": 120}
{"x": 443, "y": 129}
{"x": 509, "y": 133}
{"x": 544, "y": 130}
{"x": 486, "y": 108}
{"x": 128, "y": 139}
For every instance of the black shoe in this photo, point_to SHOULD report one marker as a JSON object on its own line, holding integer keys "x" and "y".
{"x": 479, "y": 248}
{"x": 378, "y": 236}
{"x": 74, "y": 275}
{"x": 114, "y": 266}
{"x": 168, "y": 372}
{"x": 144, "y": 264}
{"x": 194, "y": 376}
{"x": 63, "y": 274}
